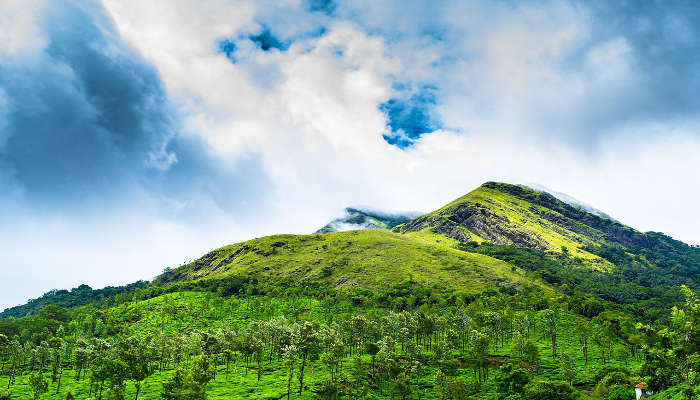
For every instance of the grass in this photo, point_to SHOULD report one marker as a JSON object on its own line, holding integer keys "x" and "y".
{"x": 367, "y": 259}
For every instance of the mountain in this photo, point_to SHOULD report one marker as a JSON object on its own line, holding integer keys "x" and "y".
{"x": 76, "y": 297}
{"x": 506, "y": 277}
{"x": 356, "y": 218}
{"x": 499, "y": 233}
{"x": 508, "y": 214}
{"x": 467, "y": 246}
{"x": 566, "y": 245}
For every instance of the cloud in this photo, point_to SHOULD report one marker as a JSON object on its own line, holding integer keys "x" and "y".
{"x": 88, "y": 132}
{"x": 82, "y": 112}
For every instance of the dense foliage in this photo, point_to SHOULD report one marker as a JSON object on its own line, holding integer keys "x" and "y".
{"x": 502, "y": 344}
{"x": 635, "y": 284}
{"x": 79, "y": 296}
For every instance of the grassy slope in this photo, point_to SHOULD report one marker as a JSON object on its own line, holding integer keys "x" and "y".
{"x": 368, "y": 259}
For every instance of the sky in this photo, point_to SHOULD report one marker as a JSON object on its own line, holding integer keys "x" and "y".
{"x": 137, "y": 135}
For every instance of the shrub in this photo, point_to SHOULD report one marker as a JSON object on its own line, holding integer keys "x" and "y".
{"x": 621, "y": 394}
{"x": 549, "y": 390}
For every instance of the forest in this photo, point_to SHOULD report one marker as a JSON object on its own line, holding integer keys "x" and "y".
{"x": 198, "y": 344}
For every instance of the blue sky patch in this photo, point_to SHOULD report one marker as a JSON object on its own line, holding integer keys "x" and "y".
{"x": 323, "y": 6}
{"x": 227, "y": 47}
{"x": 410, "y": 117}
{"x": 266, "y": 41}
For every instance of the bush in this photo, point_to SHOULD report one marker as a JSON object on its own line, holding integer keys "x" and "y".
{"x": 607, "y": 369}
{"x": 549, "y": 390}
{"x": 5, "y": 394}
{"x": 614, "y": 381}
{"x": 621, "y": 394}
{"x": 511, "y": 379}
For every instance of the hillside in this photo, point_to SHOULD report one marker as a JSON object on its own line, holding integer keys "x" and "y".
{"x": 498, "y": 233}
{"x": 516, "y": 215}
{"x": 365, "y": 259}
{"x": 506, "y": 214}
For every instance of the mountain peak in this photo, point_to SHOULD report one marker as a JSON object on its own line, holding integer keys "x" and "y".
{"x": 356, "y": 218}
{"x": 510, "y": 214}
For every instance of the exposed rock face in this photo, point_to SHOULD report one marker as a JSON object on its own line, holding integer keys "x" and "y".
{"x": 522, "y": 216}
{"x": 466, "y": 219}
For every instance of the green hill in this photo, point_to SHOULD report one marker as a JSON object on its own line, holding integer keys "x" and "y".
{"x": 365, "y": 259}
{"x": 566, "y": 245}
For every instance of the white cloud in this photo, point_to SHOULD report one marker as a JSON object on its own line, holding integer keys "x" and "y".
{"x": 20, "y": 27}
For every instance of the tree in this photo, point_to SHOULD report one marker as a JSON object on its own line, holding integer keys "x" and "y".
{"x": 80, "y": 357}
{"x": 38, "y": 384}
{"x": 137, "y": 359}
{"x": 449, "y": 387}
{"x": 176, "y": 388}
{"x": 4, "y": 344}
{"x": 550, "y": 320}
{"x": 115, "y": 371}
{"x": 584, "y": 330}
{"x": 306, "y": 342}
{"x": 189, "y": 385}
{"x": 567, "y": 367}
{"x": 202, "y": 371}
{"x": 531, "y": 354}
{"x": 62, "y": 355}
{"x": 549, "y": 390}
{"x": 511, "y": 379}
{"x": 479, "y": 355}
{"x": 290, "y": 354}
{"x": 16, "y": 355}
{"x": 605, "y": 341}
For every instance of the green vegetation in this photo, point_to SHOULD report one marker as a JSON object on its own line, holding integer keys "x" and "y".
{"x": 506, "y": 293}
{"x": 368, "y": 261}
{"x": 79, "y": 296}
{"x": 189, "y": 345}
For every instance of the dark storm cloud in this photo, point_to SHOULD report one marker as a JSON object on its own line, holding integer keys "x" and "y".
{"x": 85, "y": 113}
{"x": 665, "y": 38}
{"x": 88, "y": 118}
